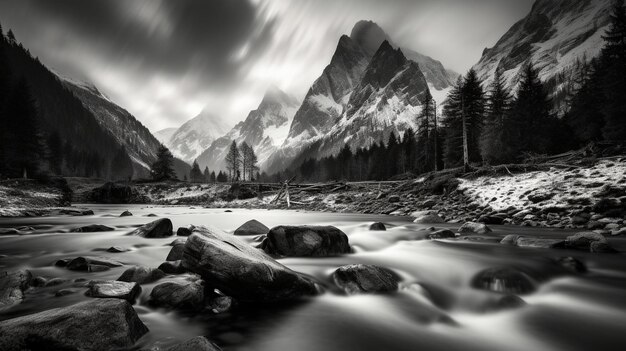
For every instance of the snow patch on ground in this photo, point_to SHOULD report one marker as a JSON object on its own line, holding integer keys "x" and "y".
{"x": 503, "y": 192}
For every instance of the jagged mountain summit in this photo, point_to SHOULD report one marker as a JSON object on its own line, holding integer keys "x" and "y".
{"x": 553, "y": 36}
{"x": 358, "y": 95}
{"x": 196, "y": 135}
{"x": 369, "y": 36}
{"x": 264, "y": 129}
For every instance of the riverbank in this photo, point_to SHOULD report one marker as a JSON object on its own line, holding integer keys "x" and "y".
{"x": 31, "y": 198}
{"x": 590, "y": 196}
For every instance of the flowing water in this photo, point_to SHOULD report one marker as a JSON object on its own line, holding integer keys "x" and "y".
{"x": 436, "y": 307}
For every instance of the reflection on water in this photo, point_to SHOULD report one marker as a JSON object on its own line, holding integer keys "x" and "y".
{"x": 435, "y": 309}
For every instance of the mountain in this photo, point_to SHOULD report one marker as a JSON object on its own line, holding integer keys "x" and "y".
{"x": 140, "y": 144}
{"x": 387, "y": 99}
{"x": 264, "y": 129}
{"x": 164, "y": 135}
{"x": 348, "y": 102}
{"x": 553, "y": 36}
{"x": 196, "y": 135}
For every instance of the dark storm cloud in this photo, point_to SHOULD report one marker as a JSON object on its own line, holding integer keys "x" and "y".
{"x": 171, "y": 36}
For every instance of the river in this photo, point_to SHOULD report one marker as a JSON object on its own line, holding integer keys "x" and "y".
{"x": 436, "y": 307}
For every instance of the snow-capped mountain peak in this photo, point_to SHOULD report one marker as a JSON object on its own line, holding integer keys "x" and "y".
{"x": 195, "y": 135}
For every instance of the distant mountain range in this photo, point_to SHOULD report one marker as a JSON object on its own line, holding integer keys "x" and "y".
{"x": 264, "y": 129}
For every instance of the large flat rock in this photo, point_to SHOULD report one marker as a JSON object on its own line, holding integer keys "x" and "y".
{"x": 114, "y": 289}
{"x": 239, "y": 270}
{"x": 102, "y": 324}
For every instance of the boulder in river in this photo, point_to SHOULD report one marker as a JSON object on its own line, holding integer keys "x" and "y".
{"x": 504, "y": 280}
{"x": 113, "y": 289}
{"x": 378, "y": 226}
{"x": 583, "y": 240}
{"x": 361, "y": 278}
{"x": 184, "y": 231}
{"x": 93, "y": 228}
{"x": 241, "y": 271}
{"x": 126, "y": 213}
{"x": 532, "y": 242}
{"x": 176, "y": 253}
{"x": 160, "y": 228}
{"x": 199, "y": 343}
{"x": 12, "y": 287}
{"x": 88, "y": 263}
{"x": 101, "y": 324}
{"x": 306, "y": 241}
{"x": 172, "y": 267}
{"x": 177, "y": 295}
{"x": 571, "y": 264}
{"x": 141, "y": 275}
{"x": 441, "y": 234}
{"x": 252, "y": 227}
{"x": 475, "y": 228}
{"x": 431, "y": 218}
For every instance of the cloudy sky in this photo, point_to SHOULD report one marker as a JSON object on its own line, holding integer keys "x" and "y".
{"x": 166, "y": 60}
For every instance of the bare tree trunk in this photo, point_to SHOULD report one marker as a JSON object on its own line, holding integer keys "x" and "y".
{"x": 465, "y": 150}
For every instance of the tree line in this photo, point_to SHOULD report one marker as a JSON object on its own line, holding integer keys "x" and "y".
{"x": 241, "y": 162}
{"x": 492, "y": 125}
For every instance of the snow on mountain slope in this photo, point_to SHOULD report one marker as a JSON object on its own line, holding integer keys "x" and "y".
{"x": 388, "y": 99}
{"x": 196, "y": 135}
{"x": 553, "y": 36}
{"x": 164, "y": 135}
{"x": 264, "y": 129}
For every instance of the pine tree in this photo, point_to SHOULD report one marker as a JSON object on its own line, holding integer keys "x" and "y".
{"x": 213, "y": 177}
{"x": 233, "y": 161}
{"x": 426, "y": 135}
{"x": 162, "y": 168}
{"x": 195, "y": 174}
{"x": 464, "y": 112}
{"x": 494, "y": 140}
{"x": 585, "y": 116}
{"x": 531, "y": 119}
{"x": 613, "y": 82}
{"x": 206, "y": 175}
{"x": 11, "y": 37}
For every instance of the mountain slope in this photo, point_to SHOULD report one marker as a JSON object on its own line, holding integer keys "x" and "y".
{"x": 196, "y": 135}
{"x": 140, "y": 144}
{"x": 264, "y": 129}
{"x": 553, "y": 36}
{"x": 164, "y": 135}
